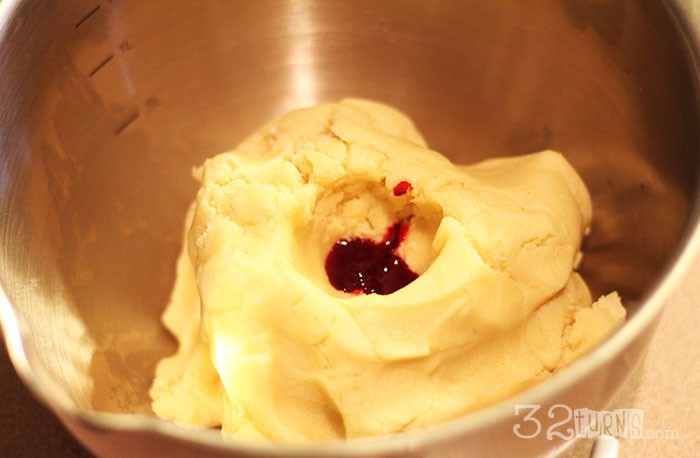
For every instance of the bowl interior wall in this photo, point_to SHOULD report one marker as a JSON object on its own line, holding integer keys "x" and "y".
{"x": 108, "y": 106}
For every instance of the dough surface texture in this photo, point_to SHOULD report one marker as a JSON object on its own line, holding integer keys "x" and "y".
{"x": 269, "y": 350}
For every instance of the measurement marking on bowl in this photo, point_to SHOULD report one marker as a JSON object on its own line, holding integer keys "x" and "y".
{"x": 99, "y": 66}
{"x": 133, "y": 116}
{"x": 87, "y": 16}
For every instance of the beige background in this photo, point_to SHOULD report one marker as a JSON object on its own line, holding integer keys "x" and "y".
{"x": 666, "y": 386}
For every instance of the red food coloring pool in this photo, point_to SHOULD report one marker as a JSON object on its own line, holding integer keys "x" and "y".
{"x": 402, "y": 188}
{"x": 364, "y": 266}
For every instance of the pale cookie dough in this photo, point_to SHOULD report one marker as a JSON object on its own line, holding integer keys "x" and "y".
{"x": 270, "y": 350}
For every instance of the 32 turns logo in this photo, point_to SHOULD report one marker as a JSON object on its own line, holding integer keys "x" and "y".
{"x": 565, "y": 423}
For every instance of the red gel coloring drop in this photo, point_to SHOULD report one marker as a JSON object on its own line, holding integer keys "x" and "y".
{"x": 402, "y": 187}
{"x": 364, "y": 266}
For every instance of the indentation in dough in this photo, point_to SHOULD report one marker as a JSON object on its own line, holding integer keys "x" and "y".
{"x": 363, "y": 210}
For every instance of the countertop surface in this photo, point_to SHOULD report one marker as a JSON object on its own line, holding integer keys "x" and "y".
{"x": 666, "y": 386}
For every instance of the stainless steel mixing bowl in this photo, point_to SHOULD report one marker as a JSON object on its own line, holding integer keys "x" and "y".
{"x": 105, "y": 105}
